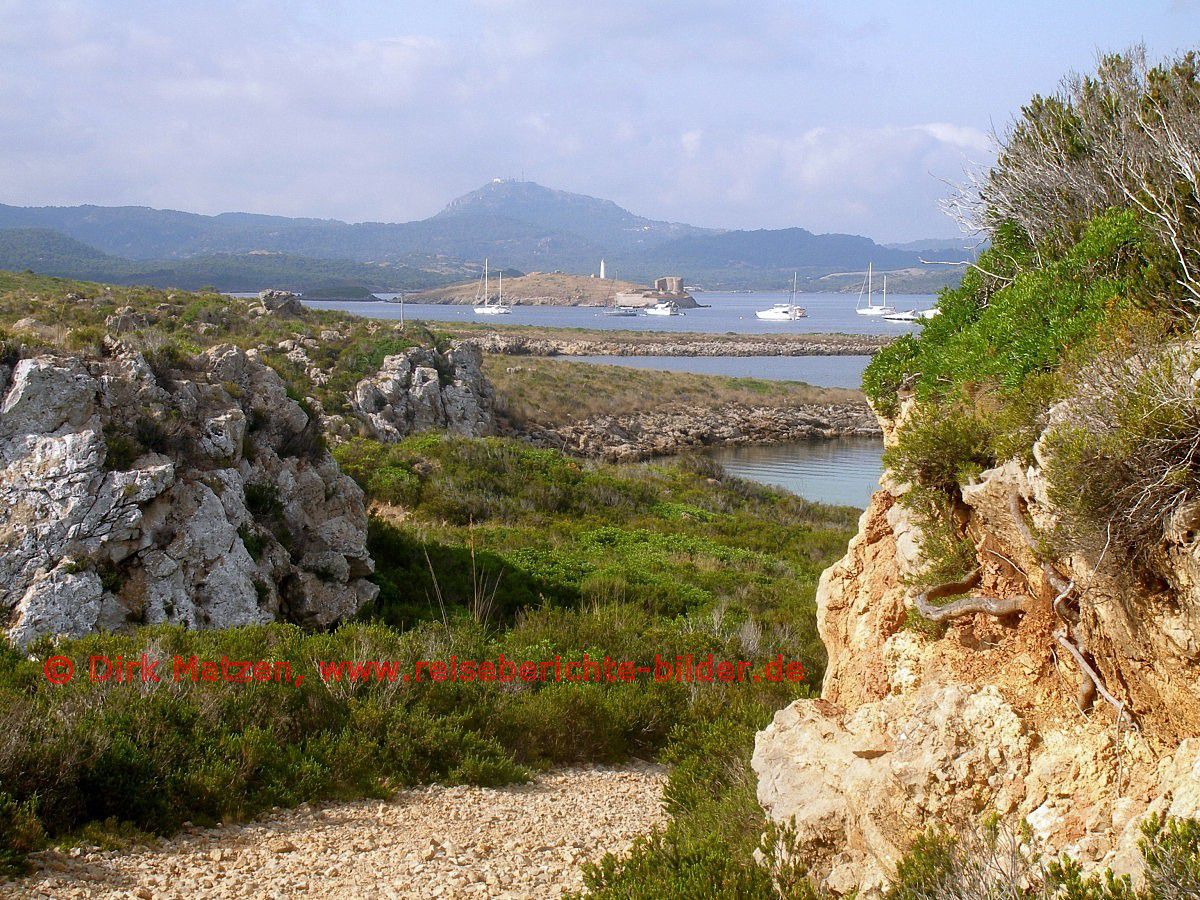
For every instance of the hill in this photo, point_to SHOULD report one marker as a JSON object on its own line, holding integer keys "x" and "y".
{"x": 48, "y": 252}
{"x": 515, "y": 224}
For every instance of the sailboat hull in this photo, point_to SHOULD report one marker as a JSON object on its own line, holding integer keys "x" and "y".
{"x": 492, "y": 310}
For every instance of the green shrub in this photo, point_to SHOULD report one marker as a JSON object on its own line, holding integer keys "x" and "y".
{"x": 1125, "y": 454}
{"x": 20, "y": 833}
{"x": 940, "y": 448}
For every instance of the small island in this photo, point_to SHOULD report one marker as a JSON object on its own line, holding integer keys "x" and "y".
{"x": 562, "y": 289}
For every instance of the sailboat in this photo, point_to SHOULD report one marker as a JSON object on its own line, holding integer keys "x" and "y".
{"x": 784, "y": 312}
{"x": 612, "y": 308}
{"x": 485, "y": 307}
{"x": 871, "y": 309}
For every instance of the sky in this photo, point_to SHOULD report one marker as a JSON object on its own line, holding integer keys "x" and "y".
{"x": 848, "y": 116}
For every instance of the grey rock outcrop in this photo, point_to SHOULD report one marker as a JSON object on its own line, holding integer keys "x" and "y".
{"x": 421, "y": 390}
{"x": 281, "y": 303}
{"x": 202, "y": 496}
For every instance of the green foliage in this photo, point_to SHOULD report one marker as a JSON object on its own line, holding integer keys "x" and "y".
{"x": 995, "y": 860}
{"x": 707, "y": 849}
{"x": 1123, "y": 458}
{"x": 540, "y": 528}
{"x": 940, "y": 448}
{"x": 985, "y": 335}
{"x": 20, "y": 832}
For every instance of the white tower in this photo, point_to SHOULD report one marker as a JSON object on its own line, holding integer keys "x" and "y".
{"x": 601, "y": 268}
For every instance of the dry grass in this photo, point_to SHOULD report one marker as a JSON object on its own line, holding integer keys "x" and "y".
{"x": 553, "y": 392}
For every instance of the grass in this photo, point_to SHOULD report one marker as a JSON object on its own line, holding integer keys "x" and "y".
{"x": 550, "y": 391}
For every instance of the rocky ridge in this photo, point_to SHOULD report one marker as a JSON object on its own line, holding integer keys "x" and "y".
{"x": 194, "y": 492}
{"x": 915, "y": 728}
{"x": 422, "y": 389}
{"x": 643, "y": 434}
{"x": 509, "y": 344}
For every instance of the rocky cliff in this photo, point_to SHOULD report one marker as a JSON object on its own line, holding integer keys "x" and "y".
{"x": 923, "y": 723}
{"x": 186, "y": 491}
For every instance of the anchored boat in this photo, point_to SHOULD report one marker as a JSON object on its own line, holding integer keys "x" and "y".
{"x": 867, "y": 292}
{"x": 663, "y": 308}
{"x": 484, "y": 306}
{"x": 784, "y": 312}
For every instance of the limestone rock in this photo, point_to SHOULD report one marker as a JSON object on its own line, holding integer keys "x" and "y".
{"x": 422, "y": 390}
{"x": 201, "y": 496}
{"x": 918, "y": 727}
{"x": 281, "y": 303}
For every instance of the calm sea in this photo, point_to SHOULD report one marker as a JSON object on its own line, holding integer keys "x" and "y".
{"x": 725, "y": 313}
{"x": 844, "y": 471}
{"x": 823, "y": 371}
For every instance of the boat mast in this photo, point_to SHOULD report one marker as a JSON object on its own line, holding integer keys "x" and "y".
{"x": 792, "y": 308}
{"x": 870, "y": 288}
{"x": 502, "y": 287}
{"x": 485, "y": 282}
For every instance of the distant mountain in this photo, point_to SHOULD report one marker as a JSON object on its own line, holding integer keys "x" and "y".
{"x": 943, "y": 248}
{"x": 50, "y": 253}
{"x": 783, "y": 248}
{"x": 516, "y": 224}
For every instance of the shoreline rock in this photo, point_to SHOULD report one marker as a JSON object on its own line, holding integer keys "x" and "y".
{"x": 504, "y": 344}
{"x": 647, "y": 434}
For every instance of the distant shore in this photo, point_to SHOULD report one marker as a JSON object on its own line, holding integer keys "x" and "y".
{"x": 534, "y": 341}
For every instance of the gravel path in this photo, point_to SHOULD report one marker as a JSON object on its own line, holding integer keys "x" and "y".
{"x": 518, "y": 841}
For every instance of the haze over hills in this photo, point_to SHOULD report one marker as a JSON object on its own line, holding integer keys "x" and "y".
{"x": 516, "y": 224}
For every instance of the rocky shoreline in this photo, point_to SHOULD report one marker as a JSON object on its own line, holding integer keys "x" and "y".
{"x": 647, "y": 434}
{"x": 508, "y": 344}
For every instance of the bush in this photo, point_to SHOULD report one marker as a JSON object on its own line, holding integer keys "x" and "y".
{"x": 1001, "y": 330}
{"x": 940, "y": 448}
{"x": 1125, "y": 455}
{"x": 20, "y": 833}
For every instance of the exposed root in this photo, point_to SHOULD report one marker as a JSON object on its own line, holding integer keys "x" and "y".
{"x": 967, "y": 606}
{"x": 1090, "y": 674}
{"x": 1053, "y": 578}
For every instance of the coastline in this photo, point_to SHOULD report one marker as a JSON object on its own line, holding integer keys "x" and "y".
{"x": 579, "y": 342}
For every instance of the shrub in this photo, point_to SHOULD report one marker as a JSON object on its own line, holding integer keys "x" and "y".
{"x": 940, "y": 448}
{"x": 20, "y": 833}
{"x": 1124, "y": 456}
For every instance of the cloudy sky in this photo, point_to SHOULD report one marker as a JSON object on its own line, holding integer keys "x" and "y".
{"x": 835, "y": 116}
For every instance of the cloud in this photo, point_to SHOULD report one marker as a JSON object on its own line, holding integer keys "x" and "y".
{"x": 711, "y": 111}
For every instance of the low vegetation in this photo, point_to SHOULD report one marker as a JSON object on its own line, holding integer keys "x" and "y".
{"x": 994, "y": 860}
{"x": 500, "y": 549}
{"x": 52, "y": 312}
{"x": 551, "y": 391}
{"x": 1080, "y": 298}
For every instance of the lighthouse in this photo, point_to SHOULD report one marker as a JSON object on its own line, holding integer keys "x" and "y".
{"x": 601, "y": 268}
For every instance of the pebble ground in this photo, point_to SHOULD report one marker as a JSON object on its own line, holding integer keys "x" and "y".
{"x": 518, "y": 841}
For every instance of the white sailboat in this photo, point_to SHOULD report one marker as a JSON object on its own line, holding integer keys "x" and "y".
{"x": 484, "y": 306}
{"x": 784, "y": 312}
{"x": 871, "y": 309}
{"x": 613, "y": 308}
{"x": 663, "y": 308}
